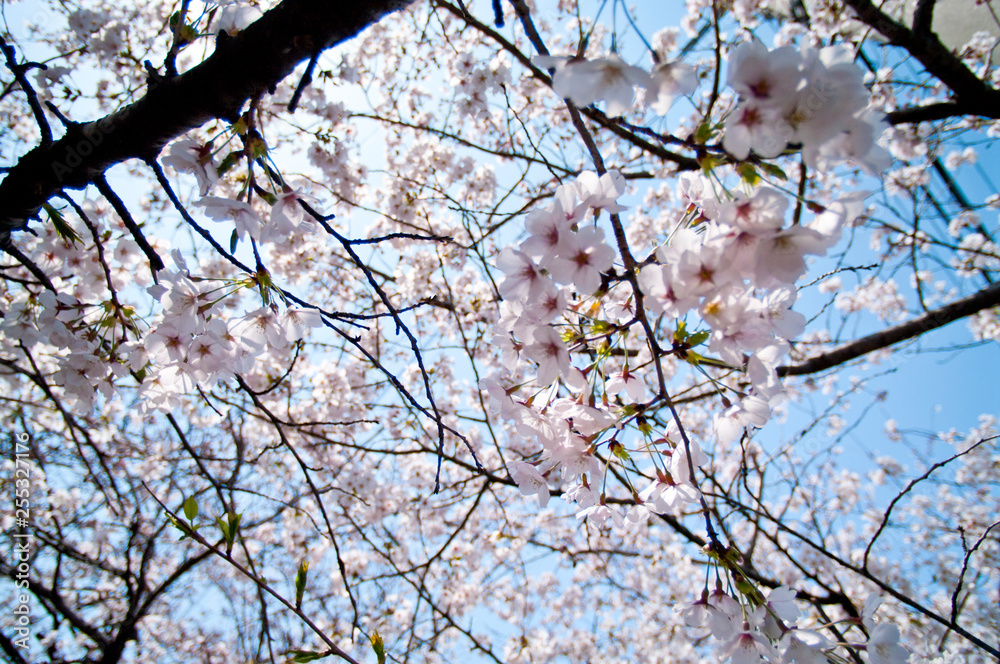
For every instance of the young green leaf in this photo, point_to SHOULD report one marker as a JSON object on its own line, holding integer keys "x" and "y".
{"x": 300, "y": 582}
{"x": 224, "y": 527}
{"x": 256, "y": 145}
{"x": 773, "y": 171}
{"x": 191, "y": 509}
{"x": 698, "y": 338}
{"x": 228, "y": 162}
{"x": 61, "y": 226}
{"x": 703, "y": 134}
{"x": 707, "y": 163}
{"x": 176, "y": 523}
{"x": 230, "y": 528}
{"x": 748, "y": 173}
{"x": 378, "y": 646}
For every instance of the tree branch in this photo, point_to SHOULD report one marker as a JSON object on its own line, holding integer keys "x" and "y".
{"x": 985, "y": 299}
{"x": 250, "y": 64}
{"x": 974, "y": 94}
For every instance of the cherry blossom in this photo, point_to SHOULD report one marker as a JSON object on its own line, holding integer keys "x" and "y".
{"x": 236, "y": 16}
{"x": 225, "y": 209}
{"x": 584, "y": 82}
{"x": 584, "y": 261}
{"x": 549, "y": 350}
{"x": 626, "y": 382}
{"x": 524, "y": 278}
{"x": 883, "y": 646}
{"x": 670, "y": 80}
{"x": 529, "y": 481}
{"x": 189, "y": 156}
{"x": 261, "y": 328}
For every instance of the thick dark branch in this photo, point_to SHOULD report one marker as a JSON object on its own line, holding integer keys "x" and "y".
{"x": 985, "y": 299}
{"x": 248, "y": 65}
{"x": 56, "y": 604}
{"x": 11, "y": 650}
{"x": 939, "y": 111}
{"x": 923, "y": 17}
{"x": 975, "y": 96}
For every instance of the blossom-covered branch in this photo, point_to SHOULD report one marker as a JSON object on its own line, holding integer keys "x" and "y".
{"x": 241, "y": 67}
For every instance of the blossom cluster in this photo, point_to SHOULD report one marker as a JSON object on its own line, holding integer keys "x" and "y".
{"x": 764, "y": 629}
{"x": 91, "y": 345}
{"x": 729, "y": 269}
{"x": 814, "y": 99}
{"x": 733, "y": 264}
{"x": 730, "y": 264}
{"x": 188, "y": 155}
{"x": 613, "y": 81}
{"x": 64, "y": 328}
{"x": 195, "y": 345}
{"x": 685, "y": 299}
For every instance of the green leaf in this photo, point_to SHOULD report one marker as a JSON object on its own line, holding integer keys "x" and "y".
{"x": 378, "y": 646}
{"x": 600, "y": 326}
{"x": 228, "y": 162}
{"x": 61, "y": 226}
{"x": 703, "y": 134}
{"x": 241, "y": 126}
{"x": 234, "y": 523}
{"x": 224, "y": 527}
{"x": 230, "y": 528}
{"x": 175, "y": 523}
{"x": 774, "y": 171}
{"x": 186, "y": 530}
{"x": 256, "y": 145}
{"x": 191, "y": 509}
{"x": 188, "y": 34}
{"x": 748, "y": 173}
{"x": 298, "y": 656}
{"x": 698, "y": 338}
{"x": 300, "y": 581}
{"x": 264, "y": 285}
{"x": 748, "y": 591}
